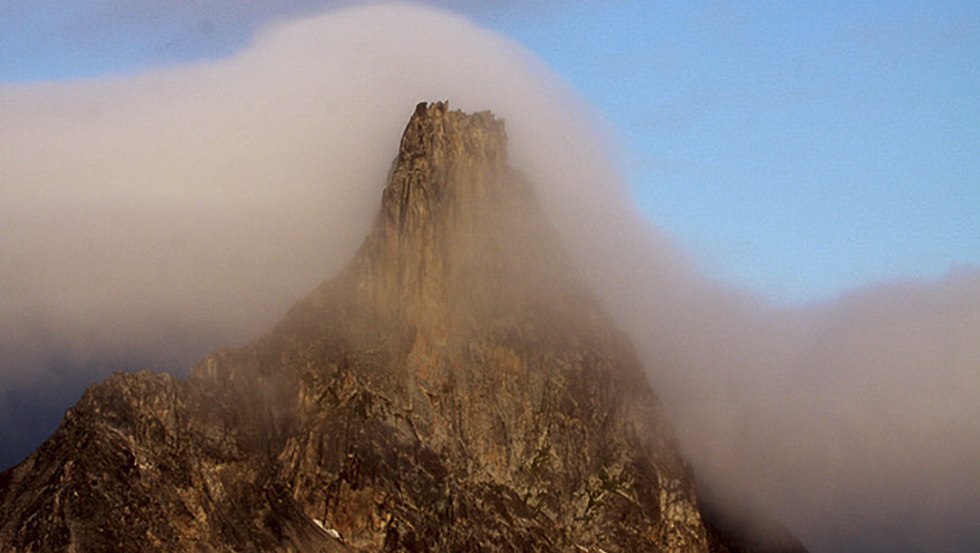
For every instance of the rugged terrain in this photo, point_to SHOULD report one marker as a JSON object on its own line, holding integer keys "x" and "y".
{"x": 455, "y": 388}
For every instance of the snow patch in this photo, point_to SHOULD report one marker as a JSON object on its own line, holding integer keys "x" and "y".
{"x": 330, "y": 531}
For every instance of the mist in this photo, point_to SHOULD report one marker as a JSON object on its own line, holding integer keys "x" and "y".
{"x": 149, "y": 219}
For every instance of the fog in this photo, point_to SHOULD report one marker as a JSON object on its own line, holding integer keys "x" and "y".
{"x": 148, "y": 219}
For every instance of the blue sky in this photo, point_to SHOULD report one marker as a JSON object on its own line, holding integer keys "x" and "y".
{"x": 797, "y": 150}
{"x": 800, "y": 151}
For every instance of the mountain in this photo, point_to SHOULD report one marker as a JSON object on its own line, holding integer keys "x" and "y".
{"x": 454, "y": 388}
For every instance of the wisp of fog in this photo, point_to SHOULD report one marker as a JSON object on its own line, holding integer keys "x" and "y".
{"x": 157, "y": 216}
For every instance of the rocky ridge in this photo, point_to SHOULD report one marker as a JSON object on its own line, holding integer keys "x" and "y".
{"x": 455, "y": 388}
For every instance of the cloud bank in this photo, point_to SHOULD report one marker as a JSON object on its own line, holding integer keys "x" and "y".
{"x": 151, "y": 218}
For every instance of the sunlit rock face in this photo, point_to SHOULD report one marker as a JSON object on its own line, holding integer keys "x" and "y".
{"x": 455, "y": 388}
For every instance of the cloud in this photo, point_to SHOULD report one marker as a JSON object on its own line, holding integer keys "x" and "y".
{"x": 114, "y": 37}
{"x": 855, "y": 420}
{"x": 151, "y": 218}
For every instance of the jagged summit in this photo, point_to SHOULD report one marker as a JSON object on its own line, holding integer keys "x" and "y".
{"x": 441, "y": 210}
{"x": 438, "y": 145}
{"x": 445, "y": 158}
{"x": 450, "y": 169}
{"x": 460, "y": 241}
{"x": 455, "y": 388}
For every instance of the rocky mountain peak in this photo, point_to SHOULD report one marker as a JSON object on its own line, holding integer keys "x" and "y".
{"x": 445, "y": 157}
{"x": 459, "y": 240}
{"x": 455, "y": 389}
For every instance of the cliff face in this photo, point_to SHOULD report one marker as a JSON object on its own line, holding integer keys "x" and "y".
{"x": 455, "y": 388}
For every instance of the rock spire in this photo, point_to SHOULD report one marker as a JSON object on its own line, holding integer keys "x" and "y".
{"x": 455, "y": 388}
